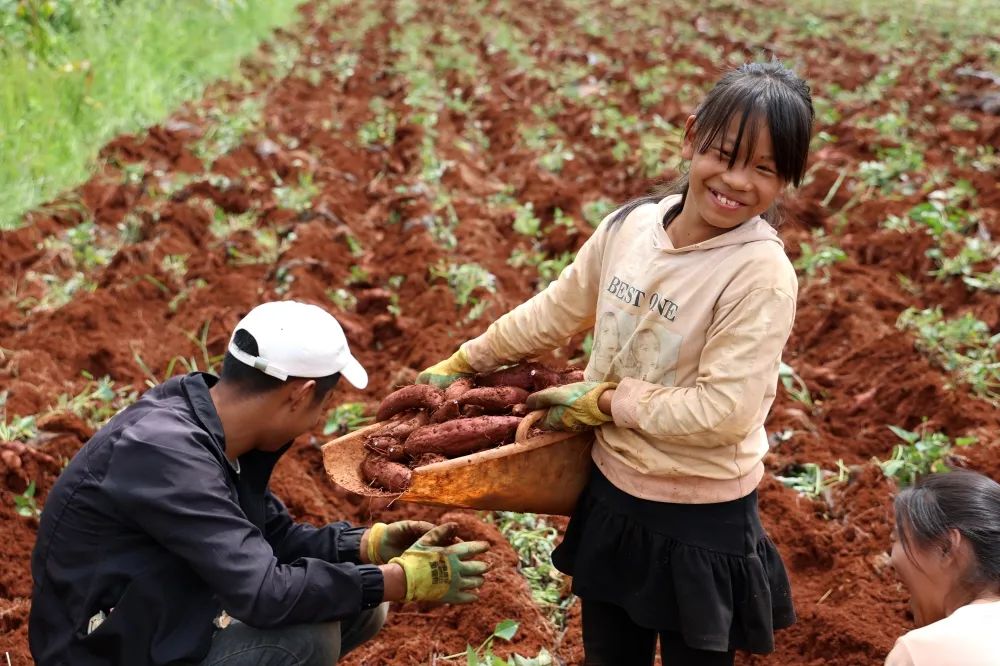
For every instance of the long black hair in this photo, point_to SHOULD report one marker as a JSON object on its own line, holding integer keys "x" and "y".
{"x": 755, "y": 93}
{"x": 960, "y": 500}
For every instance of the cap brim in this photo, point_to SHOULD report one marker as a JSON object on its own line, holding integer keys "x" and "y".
{"x": 355, "y": 374}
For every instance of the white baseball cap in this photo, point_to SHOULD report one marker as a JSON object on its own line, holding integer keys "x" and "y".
{"x": 297, "y": 340}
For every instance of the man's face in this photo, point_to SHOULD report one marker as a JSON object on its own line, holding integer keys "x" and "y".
{"x": 297, "y": 411}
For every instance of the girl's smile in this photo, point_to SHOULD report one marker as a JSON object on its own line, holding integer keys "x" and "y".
{"x": 724, "y": 192}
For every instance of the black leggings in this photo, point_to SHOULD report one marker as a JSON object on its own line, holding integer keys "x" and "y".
{"x": 610, "y": 638}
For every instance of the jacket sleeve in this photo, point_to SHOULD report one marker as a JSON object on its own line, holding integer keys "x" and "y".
{"x": 737, "y": 368}
{"x": 335, "y": 542}
{"x": 548, "y": 319}
{"x": 175, "y": 491}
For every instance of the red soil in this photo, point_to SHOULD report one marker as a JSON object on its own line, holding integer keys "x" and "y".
{"x": 865, "y": 373}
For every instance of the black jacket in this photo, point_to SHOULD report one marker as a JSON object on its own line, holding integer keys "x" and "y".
{"x": 150, "y": 519}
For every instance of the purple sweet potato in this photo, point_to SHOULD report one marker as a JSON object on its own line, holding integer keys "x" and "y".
{"x": 472, "y": 411}
{"x": 385, "y": 474}
{"x": 446, "y": 412}
{"x": 415, "y": 396}
{"x": 457, "y": 388}
{"x": 428, "y": 459}
{"x": 516, "y": 375}
{"x": 390, "y": 447}
{"x": 401, "y": 429}
{"x": 494, "y": 398}
{"x": 461, "y": 436}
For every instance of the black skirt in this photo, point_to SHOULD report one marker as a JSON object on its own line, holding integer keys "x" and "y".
{"x": 706, "y": 571}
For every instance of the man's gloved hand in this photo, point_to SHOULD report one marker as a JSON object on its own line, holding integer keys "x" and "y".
{"x": 388, "y": 541}
{"x": 438, "y": 572}
{"x": 444, "y": 373}
{"x": 571, "y": 406}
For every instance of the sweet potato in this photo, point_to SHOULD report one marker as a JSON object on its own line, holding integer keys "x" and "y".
{"x": 472, "y": 411}
{"x": 428, "y": 459}
{"x": 571, "y": 376}
{"x": 529, "y": 376}
{"x": 461, "y": 436}
{"x": 390, "y": 447}
{"x": 385, "y": 474}
{"x": 415, "y": 396}
{"x": 457, "y": 388}
{"x": 515, "y": 375}
{"x": 446, "y": 412}
{"x": 402, "y": 428}
{"x": 519, "y": 410}
{"x": 494, "y": 398}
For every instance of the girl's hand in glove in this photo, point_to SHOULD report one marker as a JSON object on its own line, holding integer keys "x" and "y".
{"x": 384, "y": 542}
{"x": 571, "y": 406}
{"x": 437, "y": 572}
{"x": 446, "y": 372}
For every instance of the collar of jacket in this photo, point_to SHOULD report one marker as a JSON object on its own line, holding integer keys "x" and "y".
{"x": 254, "y": 466}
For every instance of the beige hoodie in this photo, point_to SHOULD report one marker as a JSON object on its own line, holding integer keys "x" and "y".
{"x": 693, "y": 336}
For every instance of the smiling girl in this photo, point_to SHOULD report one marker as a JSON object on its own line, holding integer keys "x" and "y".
{"x": 666, "y": 541}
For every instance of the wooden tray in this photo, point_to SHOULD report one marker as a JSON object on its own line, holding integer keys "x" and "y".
{"x": 540, "y": 474}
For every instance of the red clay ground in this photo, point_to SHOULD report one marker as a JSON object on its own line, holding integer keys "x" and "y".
{"x": 370, "y": 212}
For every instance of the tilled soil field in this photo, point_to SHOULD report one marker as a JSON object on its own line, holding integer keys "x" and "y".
{"x": 363, "y": 159}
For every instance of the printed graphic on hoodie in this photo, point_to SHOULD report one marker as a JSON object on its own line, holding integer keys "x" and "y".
{"x": 627, "y": 345}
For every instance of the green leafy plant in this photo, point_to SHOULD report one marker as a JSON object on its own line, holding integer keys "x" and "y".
{"x": 533, "y": 539}
{"x": 962, "y": 345}
{"x": 345, "y": 418}
{"x": 483, "y": 655}
{"x": 296, "y": 197}
{"x": 465, "y": 280}
{"x": 25, "y": 503}
{"x": 812, "y": 480}
{"x": 795, "y": 385}
{"x": 817, "y": 259}
{"x": 97, "y": 401}
{"x": 921, "y": 453}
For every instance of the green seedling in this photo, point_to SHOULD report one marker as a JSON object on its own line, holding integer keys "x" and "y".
{"x": 813, "y": 481}
{"x": 296, "y": 197}
{"x": 25, "y": 503}
{"x": 533, "y": 539}
{"x": 465, "y": 280}
{"x": 228, "y": 127}
{"x": 816, "y": 259}
{"x": 526, "y": 222}
{"x": 795, "y": 385}
{"x": 346, "y": 418}
{"x": 483, "y": 655}
{"x": 97, "y": 401}
{"x": 921, "y": 453}
{"x": 597, "y": 210}
{"x": 962, "y": 345}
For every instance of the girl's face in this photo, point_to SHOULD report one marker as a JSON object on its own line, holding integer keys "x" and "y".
{"x": 722, "y": 198}
{"x": 929, "y": 577}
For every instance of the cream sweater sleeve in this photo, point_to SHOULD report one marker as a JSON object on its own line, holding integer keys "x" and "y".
{"x": 899, "y": 656}
{"x": 546, "y": 321}
{"x": 737, "y": 368}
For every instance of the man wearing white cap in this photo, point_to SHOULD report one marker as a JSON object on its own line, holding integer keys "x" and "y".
{"x": 161, "y": 542}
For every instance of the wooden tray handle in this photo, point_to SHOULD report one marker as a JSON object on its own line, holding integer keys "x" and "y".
{"x": 527, "y": 423}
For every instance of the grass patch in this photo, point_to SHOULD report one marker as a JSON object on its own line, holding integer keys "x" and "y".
{"x": 125, "y": 66}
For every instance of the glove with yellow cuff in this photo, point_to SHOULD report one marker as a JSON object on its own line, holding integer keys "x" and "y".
{"x": 446, "y": 372}
{"x": 388, "y": 541}
{"x": 435, "y": 572}
{"x": 571, "y": 406}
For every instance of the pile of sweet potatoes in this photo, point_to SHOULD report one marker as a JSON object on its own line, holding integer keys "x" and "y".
{"x": 424, "y": 424}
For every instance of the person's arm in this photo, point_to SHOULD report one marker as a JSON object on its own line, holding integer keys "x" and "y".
{"x": 177, "y": 493}
{"x": 548, "y": 319}
{"x": 738, "y": 366}
{"x": 335, "y": 542}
